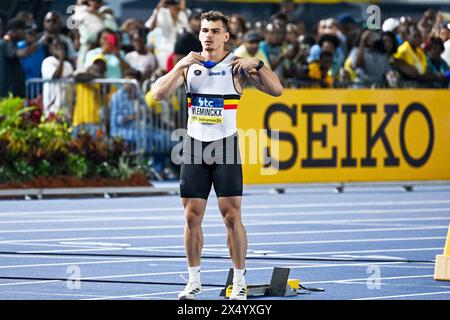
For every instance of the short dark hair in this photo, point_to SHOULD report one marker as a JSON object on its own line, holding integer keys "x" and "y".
{"x": 132, "y": 73}
{"x": 55, "y": 13}
{"x": 434, "y": 41}
{"x": 140, "y": 33}
{"x": 58, "y": 42}
{"x": 215, "y": 16}
{"x": 329, "y": 38}
{"x": 104, "y": 30}
{"x": 16, "y": 24}
{"x": 195, "y": 14}
{"x": 393, "y": 37}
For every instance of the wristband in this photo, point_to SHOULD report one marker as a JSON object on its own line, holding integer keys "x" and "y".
{"x": 259, "y": 65}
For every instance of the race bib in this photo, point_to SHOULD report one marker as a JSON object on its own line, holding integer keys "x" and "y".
{"x": 207, "y": 110}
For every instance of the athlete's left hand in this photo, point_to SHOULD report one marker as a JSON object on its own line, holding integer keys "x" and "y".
{"x": 244, "y": 65}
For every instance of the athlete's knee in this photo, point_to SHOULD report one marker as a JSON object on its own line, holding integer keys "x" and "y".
{"x": 232, "y": 217}
{"x": 193, "y": 215}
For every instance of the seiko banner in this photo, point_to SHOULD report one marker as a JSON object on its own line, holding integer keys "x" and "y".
{"x": 345, "y": 135}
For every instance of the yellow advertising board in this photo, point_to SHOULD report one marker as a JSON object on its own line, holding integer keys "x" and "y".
{"x": 316, "y": 135}
{"x": 303, "y": 1}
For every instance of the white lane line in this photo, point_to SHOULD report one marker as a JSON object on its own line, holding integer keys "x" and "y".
{"x": 27, "y": 282}
{"x": 98, "y": 244}
{"x": 88, "y": 263}
{"x": 405, "y": 295}
{"x": 300, "y": 254}
{"x": 59, "y": 250}
{"x": 103, "y": 219}
{"x": 134, "y": 275}
{"x": 214, "y": 225}
{"x": 306, "y": 283}
{"x": 365, "y": 279}
{"x": 111, "y": 246}
{"x": 134, "y": 260}
{"x": 251, "y": 244}
{"x": 123, "y": 260}
{"x": 246, "y": 215}
{"x": 56, "y": 257}
{"x": 216, "y": 289}
{"x": 280, "y": 233}
{"x": 142, "y": 295}
{"x": 347, "y": 212}
{"x": 88, "y": 248}
{"x": 411, "y": 267}
{"x": 402, "y": 285}
{"x": 254, "y": 244}
{"x": 49, "y": 294}
{"x": 362, "y": 224}
{"x": 292, "y": 255}
{"x": 178, "y": 209}
{"x": 295, "y": 255}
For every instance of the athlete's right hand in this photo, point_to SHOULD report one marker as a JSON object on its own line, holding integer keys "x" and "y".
{"x": 190, "y": 59}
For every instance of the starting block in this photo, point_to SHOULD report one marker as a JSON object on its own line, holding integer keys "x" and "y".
{"x": 442, "y": 264}
{"x": 280, "y": 285}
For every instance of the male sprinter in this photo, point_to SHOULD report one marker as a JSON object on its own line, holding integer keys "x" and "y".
{"x": 214, "y": 81}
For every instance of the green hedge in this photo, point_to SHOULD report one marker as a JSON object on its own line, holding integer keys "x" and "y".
{"x": 32, "y": 146}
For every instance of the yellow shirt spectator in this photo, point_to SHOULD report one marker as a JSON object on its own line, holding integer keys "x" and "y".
{"x": 315, "y": 73}
{"x": 348, "y": 67}
{"x": 242, "y": 52}
{"x": 90, "y": 97}
{"x": 415, "y": 58}
{"x": 86, "y": 106}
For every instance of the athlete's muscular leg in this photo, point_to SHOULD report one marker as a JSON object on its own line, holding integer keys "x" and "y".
{"x": 194, "y": 210}
{"x": 230, "y": 208}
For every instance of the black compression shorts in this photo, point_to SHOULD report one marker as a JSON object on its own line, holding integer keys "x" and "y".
{"x": 214, "y": 163}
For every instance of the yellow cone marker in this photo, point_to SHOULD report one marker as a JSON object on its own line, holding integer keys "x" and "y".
{"x": 442, "y": 264}
{"x": 294, "y": 283}
{"x": 228, "y": 292}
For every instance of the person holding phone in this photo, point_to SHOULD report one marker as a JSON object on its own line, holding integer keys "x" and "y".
{"x": 109, "y": 46}
{"x": 91, "y": 22}
{"x": 169, "y": 19}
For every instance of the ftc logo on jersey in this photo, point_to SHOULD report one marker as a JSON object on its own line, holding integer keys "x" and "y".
{"x": 204, "y": 102}
{"x": 207, "y": 102}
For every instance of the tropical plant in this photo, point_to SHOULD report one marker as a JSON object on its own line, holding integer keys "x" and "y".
{"x": 76, "y": 166}
{"x": 32, "y": 145}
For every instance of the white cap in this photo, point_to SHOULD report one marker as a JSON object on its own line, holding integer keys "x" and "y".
{"x": 390, "y": 24}
{"x": 105, "y": 8}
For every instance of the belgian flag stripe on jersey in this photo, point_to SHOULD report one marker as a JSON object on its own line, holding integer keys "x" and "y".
{"x": 228, "y": 104}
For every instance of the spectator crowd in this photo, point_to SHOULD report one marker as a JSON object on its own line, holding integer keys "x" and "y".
{"x": 340, "y": 52}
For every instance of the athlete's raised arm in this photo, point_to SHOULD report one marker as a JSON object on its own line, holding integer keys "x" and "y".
{"x": 166, "y": 85}
{"x": 259, "y": 75}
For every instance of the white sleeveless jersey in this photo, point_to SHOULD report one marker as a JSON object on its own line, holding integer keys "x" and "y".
{"x": 212, "y": 101}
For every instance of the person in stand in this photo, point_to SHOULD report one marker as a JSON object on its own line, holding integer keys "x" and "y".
{"x": 12, "y": 76}
{"x": 188, "y": 41}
